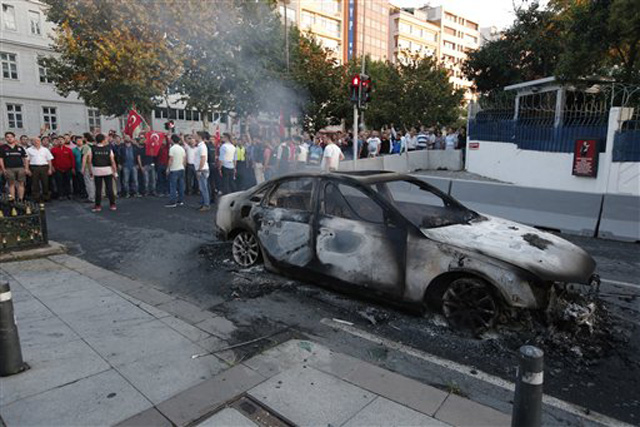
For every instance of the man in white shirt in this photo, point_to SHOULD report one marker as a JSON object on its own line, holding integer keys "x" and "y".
{"x": 412, "y": 140}
{"x": 202, "y": 173}
{"x": 192, "y": 162}
{"x": 373, "y": 145}
{"x": 175, "y": 170}
{"x": 451, "y": 139}
{"x": 302, "y": 155}
{"x": 227, "y": 164}
{"x": 41, "y": 168}
{"x": 331, "y": 157}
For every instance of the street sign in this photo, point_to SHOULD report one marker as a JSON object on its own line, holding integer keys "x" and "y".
{"x": 585, "y": 158}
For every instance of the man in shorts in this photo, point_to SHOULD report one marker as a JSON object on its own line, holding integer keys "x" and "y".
{"x": 14, "y": 164}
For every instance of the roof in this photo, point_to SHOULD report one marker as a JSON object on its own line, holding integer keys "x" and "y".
{"x": 365, "y": 177}
{"x": 531, "y": 83}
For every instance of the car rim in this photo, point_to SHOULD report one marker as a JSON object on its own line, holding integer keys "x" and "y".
{"x": 468, "y": 304}
{"x": 245, "y": 249}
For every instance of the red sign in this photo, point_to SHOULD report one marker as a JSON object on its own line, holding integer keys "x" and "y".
{"x": 474, "y": 145}
{"x": 585, "y": 158}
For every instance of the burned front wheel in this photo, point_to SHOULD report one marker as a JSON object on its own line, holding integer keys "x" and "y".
{"x": 469, "y": 304}
{"x": 245, "y": 249}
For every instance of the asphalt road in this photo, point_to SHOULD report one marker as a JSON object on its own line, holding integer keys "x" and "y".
{"x": 174, "y": 249}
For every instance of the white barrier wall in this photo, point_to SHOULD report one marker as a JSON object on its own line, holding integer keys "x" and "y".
{"x": 506, "y": 162}
{"x": 413, "y": 161}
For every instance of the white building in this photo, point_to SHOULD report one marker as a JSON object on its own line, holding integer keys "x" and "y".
{"x": 489, "y": 34}
{"x": 28, "y": 101}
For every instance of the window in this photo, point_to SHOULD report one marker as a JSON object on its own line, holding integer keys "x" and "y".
{"x": 44, "y": 74}
{"x": 449, "y": 31}
{"x": 34, "y": 23}
{"x": 50, "y": 117}
{"x": 172, "y": 113}
{"x": 347, "y": 202}
{"x": 95, "y": 122}
{"x": 14, "y": 116}
{"x": 180, "y": 114}
{"x": 472, "y": 25}
{"x": 9, "y": 17}
{"x": 9, "y": 65}
{"x": 292, "y": 194}
{"x": 157, "y": 113}
{"x": 450, "y": 45}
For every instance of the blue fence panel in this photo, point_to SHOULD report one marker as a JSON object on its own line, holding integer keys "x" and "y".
{"x": 494, "y": 130}
{"x": 626, "y": 146}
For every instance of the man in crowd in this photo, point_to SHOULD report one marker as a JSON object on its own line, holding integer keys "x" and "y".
{"x": 192, "y": 161}
{"x": 242, "y": 167}
{"x": 302, "y": 153}
{"x": 162, "y": 163}
{"x": 14, "y": 165}
{"x": 64, "y": 164}
{"x": 227, "y": 164}
{"x": 78, "y": 178}
{"x": 89, "y": 184}
{"x": 146, "y": 163}
{"x": 331, "y": 157}
{"x": 103, "y": 169}
{"x": 41, "y": 168}
{"x": 373, "y": 145}
{"x": 128, "y": 156}
{"x": 202, "y": 174}
{"x": 176, "y": 167}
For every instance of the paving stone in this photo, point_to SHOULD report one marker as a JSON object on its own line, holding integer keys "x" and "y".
{"x": 228, "y": 417}
{"x": 213, "y": 344}
{"x": 185, "y": 311}
{"x": 166, "y": 373}
{"x": 149, "y": 295}
{"x": 51, "y": 366}
{"x": 408, "y": 392}
{"x": 462, "y": 412}
{"x": 384, "y": 412}
{"x": 45, "y": 332}
{"x": 107, "y": 398}
{"x": 307, "y": 396}
{"x": 28, "y": 309}
{"x": 148, "y": 418}
{"x": 284, "y": 356}
{"x": 218, "y": 326}
{"x": 123, "y": 284}
{"x": 133, "y": 342}
{"x": 204, "y": 398}
{"x": 191, "y": 332}
{"x": 155, "y": 312}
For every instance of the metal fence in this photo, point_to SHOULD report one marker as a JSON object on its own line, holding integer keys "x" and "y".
{"x": 23, "y": 225}
{"x": 536, "y": 123}
{"x": 626, "y": 142}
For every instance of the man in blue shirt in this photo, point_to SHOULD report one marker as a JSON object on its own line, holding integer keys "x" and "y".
{"x": 128, "y": 161}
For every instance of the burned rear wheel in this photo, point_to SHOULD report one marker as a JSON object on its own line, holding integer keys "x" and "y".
{"x": 469, "y": 304}
{"x": 245, "y": 249}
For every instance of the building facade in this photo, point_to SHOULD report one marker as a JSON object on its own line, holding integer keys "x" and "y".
{"x": 370, "y": 20}
{"x": 28, "y": 100}
{"x": 412, "y": 35}
{"x": 459, "y": 35}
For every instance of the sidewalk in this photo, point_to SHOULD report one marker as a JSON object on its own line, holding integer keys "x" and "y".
{"x": 107, "y": 350}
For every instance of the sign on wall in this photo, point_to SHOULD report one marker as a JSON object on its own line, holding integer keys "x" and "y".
{"x": 585, "y": 158}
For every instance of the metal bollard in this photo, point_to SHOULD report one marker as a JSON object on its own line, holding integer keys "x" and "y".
{"x": 10, "y": 352}
{"x": 527, "y": 403}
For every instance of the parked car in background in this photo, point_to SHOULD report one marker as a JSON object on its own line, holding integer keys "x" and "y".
{"x": 397, "y": 237}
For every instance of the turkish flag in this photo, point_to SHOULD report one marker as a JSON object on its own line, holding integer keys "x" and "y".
{"x": 153, "y": 142}
{"x": 133, "y": 121}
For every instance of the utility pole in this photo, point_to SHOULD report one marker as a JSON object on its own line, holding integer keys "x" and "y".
{"x": 356, "y": 105}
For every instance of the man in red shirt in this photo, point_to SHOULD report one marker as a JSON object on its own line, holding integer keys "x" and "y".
{"x": 162, "y": 161}
{"x": 64, "y": 164}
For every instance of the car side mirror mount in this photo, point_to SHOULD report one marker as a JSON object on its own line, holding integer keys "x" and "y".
{"x": 255, "y": 199}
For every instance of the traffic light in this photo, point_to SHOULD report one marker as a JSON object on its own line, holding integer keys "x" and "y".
{"x": 355, "y": 89}
{"x": 366, "y": 89}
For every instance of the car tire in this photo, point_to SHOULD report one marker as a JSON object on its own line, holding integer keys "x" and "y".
{"x": 245, "y": 249}
{"x": 469, "y": 304}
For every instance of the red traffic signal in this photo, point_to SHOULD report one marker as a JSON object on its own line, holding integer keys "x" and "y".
{"x": 355, "y": 80}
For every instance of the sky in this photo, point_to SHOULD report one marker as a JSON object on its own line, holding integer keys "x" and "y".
{"x": 487, "y": 12}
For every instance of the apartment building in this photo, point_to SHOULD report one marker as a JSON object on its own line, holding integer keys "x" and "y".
{"x": 489, "y": 34}
{"x": 458, "y": 36}
{"x": 412, "y": 35}
{"x": 370, "y": 20}
{"x": 28, "y": 100}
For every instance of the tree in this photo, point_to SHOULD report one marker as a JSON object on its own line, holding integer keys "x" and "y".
{"x": 528, "y": 50}
{"x": 602, "y": 39}
{"x": 113, "y": 53}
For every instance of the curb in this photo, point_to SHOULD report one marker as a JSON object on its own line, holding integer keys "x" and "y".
{"x": 53, "y": 248}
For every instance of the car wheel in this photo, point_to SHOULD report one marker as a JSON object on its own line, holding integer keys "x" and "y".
{"x": 469, "y": 304}
{"x": 245, "y": 249}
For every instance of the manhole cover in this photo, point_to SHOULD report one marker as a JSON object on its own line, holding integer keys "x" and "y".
{"x": 259, "y": 413}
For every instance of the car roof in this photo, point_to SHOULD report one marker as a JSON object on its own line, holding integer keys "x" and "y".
{"x": 366, "y": 177}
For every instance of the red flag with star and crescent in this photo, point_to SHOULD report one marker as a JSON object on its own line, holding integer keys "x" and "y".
{"x": 133, "y": 121}
{"x": 153, "y": 141}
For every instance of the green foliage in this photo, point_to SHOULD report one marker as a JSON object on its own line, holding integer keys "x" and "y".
{"x": 570, "y": 39}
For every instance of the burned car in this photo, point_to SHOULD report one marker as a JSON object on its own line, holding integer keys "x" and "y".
{"x": 396, "y": 237}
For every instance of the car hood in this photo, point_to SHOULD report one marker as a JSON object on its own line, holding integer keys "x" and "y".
{"x": 544, "y": 254}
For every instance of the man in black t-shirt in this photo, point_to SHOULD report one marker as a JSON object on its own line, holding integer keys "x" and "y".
{"x": 14, "y": 165}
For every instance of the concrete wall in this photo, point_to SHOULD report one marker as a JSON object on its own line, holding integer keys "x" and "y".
{"x": 506, "y": 162}
{"x": 413, "y": 161}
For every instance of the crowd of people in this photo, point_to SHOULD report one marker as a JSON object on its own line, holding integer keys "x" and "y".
{"x": 91, "y": 166}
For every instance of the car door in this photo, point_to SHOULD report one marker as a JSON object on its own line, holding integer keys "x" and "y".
{"x": 358, "y": 240}
{"x": 283, "y": 223}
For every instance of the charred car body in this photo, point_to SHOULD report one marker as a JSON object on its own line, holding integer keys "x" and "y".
{"x": 396, "y": 236}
